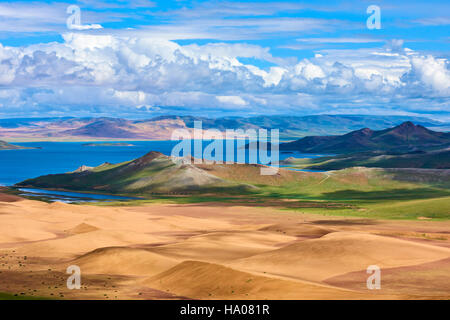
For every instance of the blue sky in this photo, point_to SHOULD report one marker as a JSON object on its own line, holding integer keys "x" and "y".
{"x": 140, "y": 59}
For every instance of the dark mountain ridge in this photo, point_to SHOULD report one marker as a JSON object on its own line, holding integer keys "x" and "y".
{"x": 404, "y": 137}
{"x": 113, "y": 128}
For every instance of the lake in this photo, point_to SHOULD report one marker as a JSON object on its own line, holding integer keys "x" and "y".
{"x": 69, "y": 197}
{"x": 60, "y": 157}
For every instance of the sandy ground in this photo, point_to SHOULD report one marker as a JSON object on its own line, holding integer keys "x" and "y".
{"x": 215, "y": 251}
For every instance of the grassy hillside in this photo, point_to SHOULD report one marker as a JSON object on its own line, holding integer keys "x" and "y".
{"x": 360, "y": 192}
{"x": 425, "y": 160}
{"x": 364, "y": 192}
{"x": 372, "y": 193}
{"x": 153, "y": 173}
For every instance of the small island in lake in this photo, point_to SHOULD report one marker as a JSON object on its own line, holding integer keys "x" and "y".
{"x": 109, "y": 144}
{"x": 7, "y": 146}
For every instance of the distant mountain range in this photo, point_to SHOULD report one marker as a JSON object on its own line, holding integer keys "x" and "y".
{"x": 87, "y": 129}
{"x": 403, "y": 146}
{"x": 161, "y": 128}
{"x": 108, "y": 144}
{"x": 405, "y": 137}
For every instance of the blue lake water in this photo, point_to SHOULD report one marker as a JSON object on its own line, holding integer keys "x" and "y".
{"x": 301, "y": 170}
{"x": 69, "y": 197}
{"x": 60, "y": 157}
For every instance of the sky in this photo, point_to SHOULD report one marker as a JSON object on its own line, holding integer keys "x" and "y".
{"x": 140, "y": 59}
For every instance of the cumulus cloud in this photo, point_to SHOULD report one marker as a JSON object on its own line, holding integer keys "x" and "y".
{"x": 105, "y": 73}
{"x": 430, "y": 74}
{"x": 236, "y": 100}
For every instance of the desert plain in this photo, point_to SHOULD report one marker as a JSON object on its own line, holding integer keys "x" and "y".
{"x": 215, "y": 251}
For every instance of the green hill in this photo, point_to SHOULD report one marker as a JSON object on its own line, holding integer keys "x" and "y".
{"x": 152, "y": 173}
{"x": 363, "y": 192}
{"x": 439, "y": 159}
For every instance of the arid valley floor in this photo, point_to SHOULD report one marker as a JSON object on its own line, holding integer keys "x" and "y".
{"x": 215, "y": 251}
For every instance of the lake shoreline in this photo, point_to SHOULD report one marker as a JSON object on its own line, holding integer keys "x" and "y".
{"x": 65, "y": 195}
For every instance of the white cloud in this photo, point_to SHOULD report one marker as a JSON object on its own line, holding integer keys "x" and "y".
{"x": 119, "y": 74}
{"x": 431, "y": 73}
{"x": 93, "y": 26}
{"x": 435, "y": 21}
{"x": 309, "y": 70}
{"x": 339, "y": 40}
{"x": 236, "y": 100}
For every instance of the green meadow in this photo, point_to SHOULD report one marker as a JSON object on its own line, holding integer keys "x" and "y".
{"x": 357, "y": 192}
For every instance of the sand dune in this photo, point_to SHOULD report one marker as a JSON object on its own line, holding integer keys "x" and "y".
{"x": 179, "y": 222}
{"x": 298, "y": 230}
{"x": 123, "y": 261}
{"x": 15, "y": 227}
{"x": 340, "y": 252}
{"x": 72, "y": 246}
{"x": 82, "y": 228}
{"x": 428, "y": 280}
{"x": 19, "y": 230}
{"x": 202, "y": 280}
{"x": 146, "y": 252}
{"x": 224, "y": 246}
{"x": 9, "y": 197}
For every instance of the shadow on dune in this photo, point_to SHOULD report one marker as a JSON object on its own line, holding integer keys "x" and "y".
{"x": 346, "y": 222}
